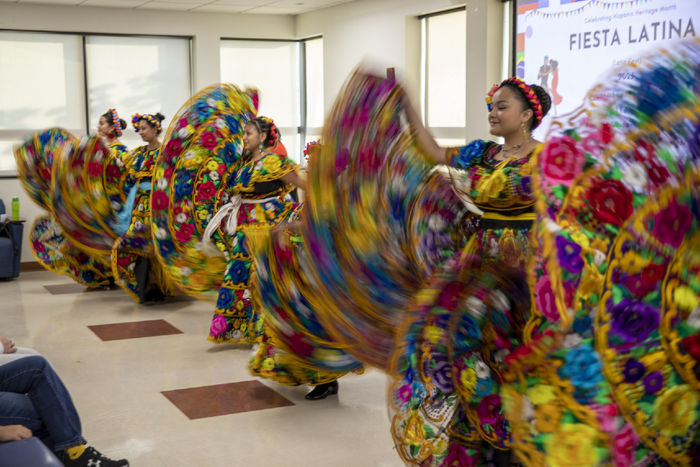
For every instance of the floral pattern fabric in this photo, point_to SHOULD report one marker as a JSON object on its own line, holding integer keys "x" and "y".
{"x": 615, "y": 276}
{"x": 57, "y": 254}
{"x": 234, "y": 317}
{"x": 294, "y": 347}
{"x": 445, "y": 401}
{"x": 201, "y": 150}
{"x": 137, "y": 241}
{"x": 603, "y": 368}
{"x": 64, "y": 175}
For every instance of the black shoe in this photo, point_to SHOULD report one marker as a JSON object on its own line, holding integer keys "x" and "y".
{"x": 153, "y": 295}
{"x": 322, "y": 391}
{"x": 91, "y": 457}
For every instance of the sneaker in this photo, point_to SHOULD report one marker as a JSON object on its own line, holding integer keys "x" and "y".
{"x": 91, "y": 458}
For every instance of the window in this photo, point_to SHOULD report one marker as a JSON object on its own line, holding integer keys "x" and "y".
{"x": 443, "y": 76}
{"x": 69, "y": 80}
{"x": 136, "y": 75}
{"x": 294, "y": 99}
{"x": 41, "y": 85}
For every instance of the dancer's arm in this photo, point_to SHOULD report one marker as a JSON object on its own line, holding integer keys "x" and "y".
{"x": 425, "y": 139}
{"x": 295, "y": 178}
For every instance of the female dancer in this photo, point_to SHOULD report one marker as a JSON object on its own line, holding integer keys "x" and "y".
{"x": 109, "y": 129}
{"x": 497, "y": 178}
{"x": 603, "y": 367}
{"x": 259, "y": 191}
{"x": 132, "y": 253}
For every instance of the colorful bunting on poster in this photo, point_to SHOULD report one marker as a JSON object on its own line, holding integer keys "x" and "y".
{"x": 609, "y": 5}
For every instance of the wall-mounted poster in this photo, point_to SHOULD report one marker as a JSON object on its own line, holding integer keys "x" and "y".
{"x": 565, "y": 45}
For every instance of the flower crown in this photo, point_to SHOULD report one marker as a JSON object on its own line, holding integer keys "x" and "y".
{"x": 116, "y": 123}
{"x": 530, "y": 96}
{"x": 273, "y": 133}
{"x": 148, "y": 117}
{"x": 309, "y": 146}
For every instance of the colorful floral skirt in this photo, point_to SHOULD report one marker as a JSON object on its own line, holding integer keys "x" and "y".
{"x": 234, "y": 317}
{"x": 445, "y": 403}
{"x": 134, "y": 265}
{"x": 57, "y": 254}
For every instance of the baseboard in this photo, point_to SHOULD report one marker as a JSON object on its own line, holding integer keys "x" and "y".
{"x": 28, "y": 266}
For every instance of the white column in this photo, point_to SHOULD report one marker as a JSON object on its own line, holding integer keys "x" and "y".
{"x": 484, "y": 58}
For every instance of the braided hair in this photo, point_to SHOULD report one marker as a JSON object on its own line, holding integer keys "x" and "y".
{"x": 267, "y": 125}
{"x": 112, "y": 118}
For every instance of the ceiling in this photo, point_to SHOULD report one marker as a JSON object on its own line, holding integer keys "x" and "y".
{"x": 270, "y": 7}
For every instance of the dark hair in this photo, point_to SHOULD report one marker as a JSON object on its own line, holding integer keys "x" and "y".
{"x": 267, "y": 126}
{"x": 108, "y": 116}
{"x": 542, "y": 96}
{"x": 148, "y": 118}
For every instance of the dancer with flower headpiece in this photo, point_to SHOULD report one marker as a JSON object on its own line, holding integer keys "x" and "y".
{"x": 259, "y": 199}
{"x": 109, "y": 128}
{"x": 133, "y": 263}
{"x": 564, "y": 329}
{"x": 53, "y": 247}
{"x": 496, "y": 178}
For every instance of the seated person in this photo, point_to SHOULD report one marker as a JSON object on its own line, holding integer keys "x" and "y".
{"x": 9, "y": 351}
{"x": 33, "y": 400}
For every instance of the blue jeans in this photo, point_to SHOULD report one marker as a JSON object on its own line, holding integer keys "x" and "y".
{"x": 32, "y": 395}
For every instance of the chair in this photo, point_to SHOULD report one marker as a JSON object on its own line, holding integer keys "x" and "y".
{"x": 27, "y": 452}
{"x": 10, "y": 246}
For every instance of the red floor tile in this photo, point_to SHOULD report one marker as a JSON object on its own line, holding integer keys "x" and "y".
{"x": 134, "y": 329}
{"x": 60, "y": 289}
{"x": 225, "y": 399}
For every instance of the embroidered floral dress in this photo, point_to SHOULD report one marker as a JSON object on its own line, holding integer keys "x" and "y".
{"x": 264, "y": 204}
{"x": 435, "y": 421}
{"x": 57, "y": 253}
{"x": 135, "y": 243}
{"x": 501, "y": 189}
{"x": 53, "y": 250}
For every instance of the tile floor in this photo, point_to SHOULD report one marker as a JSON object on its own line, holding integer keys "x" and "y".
{"x": 123, "y": 388}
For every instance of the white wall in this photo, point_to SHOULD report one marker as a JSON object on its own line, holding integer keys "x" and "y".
{"x": 386, "y": 33}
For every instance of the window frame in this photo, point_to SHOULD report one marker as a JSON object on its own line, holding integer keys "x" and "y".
{"x": 8, "y": 135}
{"x": 302, "y": 130}
{"x": 447, "y": 133}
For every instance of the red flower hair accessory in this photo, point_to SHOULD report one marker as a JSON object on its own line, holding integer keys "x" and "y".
{"x": 273, "y": 132}
{"x": 489, "y": 96}
{"x": 530, "y": 96}
{"x": 309, "y": 146}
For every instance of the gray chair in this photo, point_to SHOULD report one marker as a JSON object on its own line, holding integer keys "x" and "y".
{"x": 27, "y": 452}
{"x": 10, "y": 246}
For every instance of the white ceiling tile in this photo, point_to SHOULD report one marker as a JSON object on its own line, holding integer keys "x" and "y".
{"x": 244, "y": 3}
{"x": 114, "y": 4}
{"x": 278, "y": 10}
{"x": 305, "y": 3}
{"x": 170, "y": 6}
{"x": 214, "y": 8}
{"x": 280, "y": 7}
{"x": 53, "y": 2}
